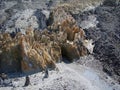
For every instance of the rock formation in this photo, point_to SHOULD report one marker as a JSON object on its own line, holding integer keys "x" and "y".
{"x": 35, "y": 50}
{"x": 9, "y": 54}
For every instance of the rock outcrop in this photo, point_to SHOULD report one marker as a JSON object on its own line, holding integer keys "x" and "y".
{"x": 9, "y": 54}
{"x": 23, "y": 53}
{"x": 73, "y": 37}
{"x": 35, "y": 50}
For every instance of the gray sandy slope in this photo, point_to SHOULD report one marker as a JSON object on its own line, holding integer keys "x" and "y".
{"x": 71, "y": 76}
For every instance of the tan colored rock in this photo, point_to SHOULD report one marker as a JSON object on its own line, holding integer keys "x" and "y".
{"x": 37, "y": 50}
{"x": 36, "y": 56}
{"x": 30, "y": 53}
{"x": 64, "y": 22}
{"x": 62, "y": 37}
{"x": 31, "y": 56}
{"x": 55, "y": 52}
{"x": 37, "y": 35}
{"x": 10, "y": 54}
{"x": 70, "y": 35}
{"x": 71, "y": 29}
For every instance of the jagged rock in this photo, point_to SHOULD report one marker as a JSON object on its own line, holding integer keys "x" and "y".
{"x": 28, "y": 62}
{"x": 69, "y": 34}
{"x": 70, "y": 51}
{"x": 65, "y": 24}
{"x": 72, "y": 30}
{"x": 55, "y": 52}
{"x": 37, "y": 49}
{"x": 25, "y": 54}
{"x": 35, "y": 56}
{"x": 33, "y": 50}
{"x": 10, "y": 54}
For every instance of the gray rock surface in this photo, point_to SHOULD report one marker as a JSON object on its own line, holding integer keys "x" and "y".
{"x": 105, "y": 32}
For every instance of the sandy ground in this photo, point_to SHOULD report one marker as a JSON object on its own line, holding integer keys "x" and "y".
{"x": 71, "y": 76}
